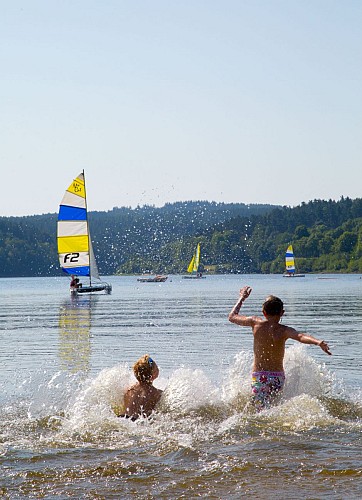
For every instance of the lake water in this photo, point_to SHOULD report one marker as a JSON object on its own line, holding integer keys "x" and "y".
{"x": 65, "y": 362}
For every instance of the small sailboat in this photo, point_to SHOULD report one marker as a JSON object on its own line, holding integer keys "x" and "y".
{"x": 194, "y": 265}
{"x": 75, "y": 249}
{"x": 290, "y": 264}
{"x": 159, "y": 278}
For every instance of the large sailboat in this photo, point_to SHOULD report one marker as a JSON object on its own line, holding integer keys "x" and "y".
{"x": 290, "y": 264}
{"x": 193, "y": 267}
{"x": 75, "y": 249}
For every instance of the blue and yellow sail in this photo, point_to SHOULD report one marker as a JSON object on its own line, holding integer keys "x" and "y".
{"x": 289, "y": 260}
{"x": 74, "y": 244}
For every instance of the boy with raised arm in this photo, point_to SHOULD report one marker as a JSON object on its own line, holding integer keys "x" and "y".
{"x": 269, "y": 346}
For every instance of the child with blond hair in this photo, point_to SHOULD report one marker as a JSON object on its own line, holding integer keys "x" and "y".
{"x": 141, "y": 398}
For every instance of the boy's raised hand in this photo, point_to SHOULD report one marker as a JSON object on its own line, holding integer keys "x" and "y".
{"x": 245, "y": 292}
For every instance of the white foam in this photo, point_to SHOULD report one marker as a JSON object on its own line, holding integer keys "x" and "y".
{"x": 93, "y": 405}
{"x": 188, "y": 390}
{"x": 192, "y": 408}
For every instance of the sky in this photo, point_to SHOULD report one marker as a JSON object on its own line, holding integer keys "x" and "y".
{"x": 251, "y": 101}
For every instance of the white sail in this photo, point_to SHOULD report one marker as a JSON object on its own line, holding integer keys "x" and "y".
{"x": 76, "y": 255}
{"x": 94, "y": 274}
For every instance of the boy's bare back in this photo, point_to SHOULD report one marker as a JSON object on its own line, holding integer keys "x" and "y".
{"x": 269, "y": 345}
{"x": 269, "y": 335}
{"x": 141, "y": 399}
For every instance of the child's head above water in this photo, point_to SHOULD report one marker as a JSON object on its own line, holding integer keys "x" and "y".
{"x": 273, "y": 306}
{"x": 145, "y": 369}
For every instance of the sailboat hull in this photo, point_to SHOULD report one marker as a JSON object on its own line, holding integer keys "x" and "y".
{"x": 193, "y": 277}
{"x": 293, "y": 275}
{"x": 155, "y": 279}
{"x": 92, "y": 288}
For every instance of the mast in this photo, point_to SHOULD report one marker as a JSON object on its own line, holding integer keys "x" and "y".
{"x": 88, "y": 234}
{"x": 197, "y": 258}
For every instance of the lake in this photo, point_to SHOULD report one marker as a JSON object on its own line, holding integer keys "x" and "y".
{"x": 66, "y": 361}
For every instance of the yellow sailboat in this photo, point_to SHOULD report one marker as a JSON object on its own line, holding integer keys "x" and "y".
{"x": 193, "y": 267}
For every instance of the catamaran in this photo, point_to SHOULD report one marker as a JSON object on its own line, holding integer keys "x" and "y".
{"x": 75, "y": 250}
{"x": 194, "y": 265}
{"x": 290, "y": 264}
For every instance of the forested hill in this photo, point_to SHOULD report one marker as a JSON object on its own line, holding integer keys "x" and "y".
{"x": 326, "y": 237}
{"x": 28, "y": 244}
{"x": 235, "y": 238}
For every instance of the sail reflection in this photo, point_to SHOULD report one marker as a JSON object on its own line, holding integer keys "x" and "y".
{"x": 74, "y": 333}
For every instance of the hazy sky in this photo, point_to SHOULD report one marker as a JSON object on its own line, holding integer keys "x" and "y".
{"x": 249, "y": 101}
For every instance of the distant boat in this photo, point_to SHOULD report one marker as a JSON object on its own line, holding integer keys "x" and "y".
{"x": 290, "y": 264}
{"x": 159, "y": 278}
{"x": 194, "y": 265}
{"x": 75, "y": 249}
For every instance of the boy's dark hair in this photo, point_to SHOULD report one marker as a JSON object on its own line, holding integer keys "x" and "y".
{"x": 273, "y": 306}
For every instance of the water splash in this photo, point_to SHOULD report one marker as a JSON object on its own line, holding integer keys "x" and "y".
{"x": 66, "y": 410}
{"x": 181, "y": 397}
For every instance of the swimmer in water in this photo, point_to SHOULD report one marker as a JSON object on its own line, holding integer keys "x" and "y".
{"x": 141, "y": 398}
{"x": 269, "y": 346}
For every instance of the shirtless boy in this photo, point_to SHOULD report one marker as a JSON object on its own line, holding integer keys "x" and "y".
{"x": 269, "y": 346}
{"x": 142, "y": 398}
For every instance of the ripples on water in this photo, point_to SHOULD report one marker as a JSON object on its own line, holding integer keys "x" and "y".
{"x": 65, "y": 364}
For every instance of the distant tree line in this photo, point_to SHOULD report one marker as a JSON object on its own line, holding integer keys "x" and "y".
{"x": 235, "y": 238}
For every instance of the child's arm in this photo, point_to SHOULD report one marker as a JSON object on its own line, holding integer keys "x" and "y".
{"x": 234, "y": 316}
{"x": 308, "y": 339}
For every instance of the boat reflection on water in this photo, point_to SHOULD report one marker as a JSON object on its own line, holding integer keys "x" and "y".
{"x": 74, "y": 333}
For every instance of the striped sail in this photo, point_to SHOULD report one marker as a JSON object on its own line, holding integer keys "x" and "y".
{"x": 195, "y": 261}
{"x": 289, "y": 260}
{"x": 74, "y": 244}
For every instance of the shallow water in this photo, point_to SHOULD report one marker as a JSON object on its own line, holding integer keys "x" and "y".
{"x": 66, "y": 362}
